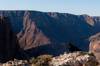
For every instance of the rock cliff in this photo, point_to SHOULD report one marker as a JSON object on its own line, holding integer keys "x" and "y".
{"x": 50, "y": 32}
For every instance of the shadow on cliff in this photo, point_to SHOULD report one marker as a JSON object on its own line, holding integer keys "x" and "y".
{"x": 64, "y": 28}
{"x": 9, "y": 47}
{"x": 51, "y": 49}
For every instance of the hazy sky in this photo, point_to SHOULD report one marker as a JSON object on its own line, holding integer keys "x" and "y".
{"x": 91, "y": 7}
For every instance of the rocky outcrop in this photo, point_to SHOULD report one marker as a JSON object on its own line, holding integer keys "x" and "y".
{"x": 74, "y": 59}
{"x": 31, "y": 36}
{"x": 8, "y": 41}
{"x": 90, "y": 20}
{"x": 95, "y": 45}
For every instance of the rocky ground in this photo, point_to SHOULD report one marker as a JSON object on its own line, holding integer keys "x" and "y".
{"x": 67, "y": 59}
{"x": 75, "y": 59}
{"x": 16, "y": 62}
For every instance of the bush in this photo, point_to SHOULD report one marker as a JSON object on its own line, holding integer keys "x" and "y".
{"x": 42, "y": 60}
{"x": 91, "y": 63}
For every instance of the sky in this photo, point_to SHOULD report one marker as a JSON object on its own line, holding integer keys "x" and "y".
{"x": 78, "y": 7}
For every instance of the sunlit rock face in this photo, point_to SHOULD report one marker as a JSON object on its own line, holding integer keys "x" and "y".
{"x": 8, "y": 41}
{"x": 95, "y": 45}
{"x": 89, "y": 19}
{"x": 31, "y": 36}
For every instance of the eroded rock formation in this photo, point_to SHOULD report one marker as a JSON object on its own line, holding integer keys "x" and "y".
{"x": 31, "y": 36}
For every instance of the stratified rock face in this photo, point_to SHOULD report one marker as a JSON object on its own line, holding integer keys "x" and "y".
{"x": 52, "y": 31}
{"x": 95, "y": 45}
{"x": 8, "y": 41}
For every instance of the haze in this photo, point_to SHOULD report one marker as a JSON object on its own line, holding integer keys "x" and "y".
{"x": 90, "y": 7}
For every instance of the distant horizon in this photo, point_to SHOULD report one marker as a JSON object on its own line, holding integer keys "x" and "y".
{"x": 77, "y": 7}
{"x": 54, "y": 12}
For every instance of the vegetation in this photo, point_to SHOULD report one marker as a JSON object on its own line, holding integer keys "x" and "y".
{"x": 42, "y": 60}
{"x": 67, "y": 59}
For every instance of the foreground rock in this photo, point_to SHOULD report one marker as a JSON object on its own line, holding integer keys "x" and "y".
{"x": 95, "y": 45}
{"x": 16, "y": 62}
{"x": 67, "y": 59}
{"x": 74, "y": 59}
